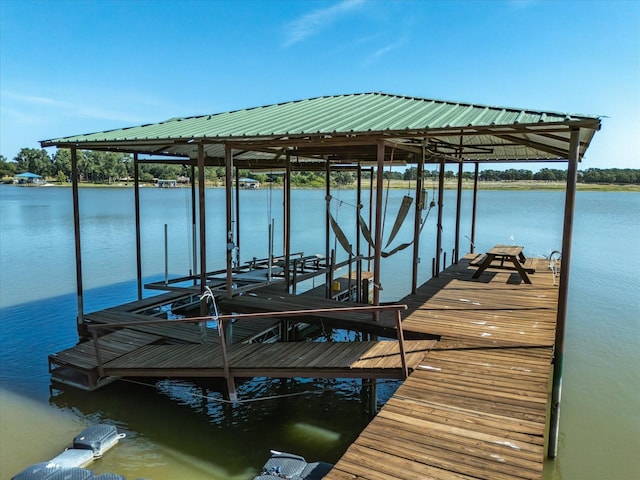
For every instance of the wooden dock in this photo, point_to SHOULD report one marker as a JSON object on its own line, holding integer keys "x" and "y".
{"x": 475, "y": 407}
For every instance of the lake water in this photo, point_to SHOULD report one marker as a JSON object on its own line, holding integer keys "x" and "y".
{"x": 180, "y": 430}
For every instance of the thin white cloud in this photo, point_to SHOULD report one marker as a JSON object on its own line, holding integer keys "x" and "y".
{"x": 36, "y": 106}
{"x": 311, "y": 23}
{"x": 384, "y": 50}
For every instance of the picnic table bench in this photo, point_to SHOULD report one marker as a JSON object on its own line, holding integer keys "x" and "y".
{"x": 499, "y": 255}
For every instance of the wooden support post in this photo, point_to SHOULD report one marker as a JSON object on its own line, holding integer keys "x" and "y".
{"x": 439, "y": 228}
{"x": 417, "y": 222}
{"x": 231, "y": 385}
{"x": 136, "y": 198}
{"x": 203, "y": 229}
{"x": 96, "y": 346}
{"x": 81, "y": 327}
{"x": 567, "y": 234}
{"x": 472, "y": 242}
{"x": 403, "y": 357}
{"x": 229, "y": 224}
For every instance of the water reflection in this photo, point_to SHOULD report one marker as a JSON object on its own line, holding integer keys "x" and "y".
{"x": 187, "y": 420}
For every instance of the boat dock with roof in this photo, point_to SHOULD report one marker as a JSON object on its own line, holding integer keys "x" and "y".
{"x": 474, "y": 345}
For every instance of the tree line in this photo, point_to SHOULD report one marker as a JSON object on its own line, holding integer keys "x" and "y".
{"x": 110, "y": 167}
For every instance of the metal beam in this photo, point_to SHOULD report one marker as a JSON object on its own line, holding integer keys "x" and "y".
{"x": 439, "y": 227}
{"x": 417, "y": 223}
{"x": 81, "y": 327}
{"x": 456, "y": 254}
{"x": 563, "y": 289}
{"x": 378, "y": 226}
{"x": 327, "y": 229}
{"x": 136, "y": 196}
{"x": 229, "y": 225}
{"x": 203, "y": 229}
{"x": 472, "y": 241}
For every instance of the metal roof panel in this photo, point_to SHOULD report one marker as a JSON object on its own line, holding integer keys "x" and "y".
{"x": 359, "y": 113}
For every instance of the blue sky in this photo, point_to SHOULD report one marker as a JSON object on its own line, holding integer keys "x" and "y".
{"x": 71, "y": 67}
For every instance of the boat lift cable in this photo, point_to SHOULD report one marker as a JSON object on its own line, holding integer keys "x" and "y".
{"x": 252, "y": 400}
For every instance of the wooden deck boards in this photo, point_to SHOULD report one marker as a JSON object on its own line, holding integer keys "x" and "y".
{"x": 112, "y": 346}
{"x": 269, "y": 300}
{"x": 475, "y": 406}
{"x": 298, "y": 359}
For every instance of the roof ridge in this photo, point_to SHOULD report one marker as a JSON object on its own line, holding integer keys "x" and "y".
{"x": 386, "y": 94}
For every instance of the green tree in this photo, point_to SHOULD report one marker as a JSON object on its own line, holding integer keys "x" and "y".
{"x": 34, "y": 161}
{"x": 545, "y": 174}
{"x": 62, "y": 164}
{"x": 7, "y": 169}
{"x": 410, "y": 173}
{"x": 343, "y": 178}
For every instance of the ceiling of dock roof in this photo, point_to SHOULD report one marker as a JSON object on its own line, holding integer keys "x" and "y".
{"x": 345, "y": 129}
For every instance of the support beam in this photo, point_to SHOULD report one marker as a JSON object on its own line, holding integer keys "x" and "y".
{"x": 203, "y": 229}
{"x": 287, "y": 221}
{"x": 194, "y": 238}
{"x": 327, "y": 228}
{"x": 136, "y": 196}
{"x": 237, "y": 216}
{"x": 439, "y": 227}
{"x": 417, "y": 223}
{"x": 472, "y": 242}
{"x": 231, "y": 384}
{"x": 81, "y": 327}
{"x": 567, "y": 234}
{"x": 358, "y": 235}
{"x": 229, "y": 225}
{"x": 378, "y": 226}
{"x": 456, "y": 254}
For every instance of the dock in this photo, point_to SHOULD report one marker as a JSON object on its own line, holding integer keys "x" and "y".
{"x": 474, "y": 404}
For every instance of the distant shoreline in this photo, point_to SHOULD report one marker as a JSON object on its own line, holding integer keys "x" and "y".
{"x": 404, "y": 184}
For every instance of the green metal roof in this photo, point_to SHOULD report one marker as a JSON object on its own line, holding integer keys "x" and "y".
{"x": 488, "y": 133}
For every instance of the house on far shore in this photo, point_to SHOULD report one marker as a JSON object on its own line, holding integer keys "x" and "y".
{"x": 166, "y": 183}
{"x": 28, "y": 178}
{"x": 248, "y": 183}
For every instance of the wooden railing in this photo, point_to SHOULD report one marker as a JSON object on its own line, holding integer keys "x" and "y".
{"x": 221, "y": 319}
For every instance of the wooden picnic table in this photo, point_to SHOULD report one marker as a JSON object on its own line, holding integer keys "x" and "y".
{"x": 511, "y": 254}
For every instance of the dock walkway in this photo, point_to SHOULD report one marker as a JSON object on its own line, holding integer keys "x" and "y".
{"x": 475, "y": 406}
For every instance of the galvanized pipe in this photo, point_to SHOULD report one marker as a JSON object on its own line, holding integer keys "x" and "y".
{"x": 229, "y": 225}
{"x": 439, "y": 228}
{"x": 136, "y": 198}
{"x": 203, "y": 229}
{"x": 473, "y": 209}
{"x": 81, "y": 327}
{"x": 563, "y": 289}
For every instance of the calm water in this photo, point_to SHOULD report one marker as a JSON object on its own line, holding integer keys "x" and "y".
{"x": 175, "y": 432}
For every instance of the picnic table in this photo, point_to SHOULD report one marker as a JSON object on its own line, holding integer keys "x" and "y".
{"x": 499, "y": 255}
